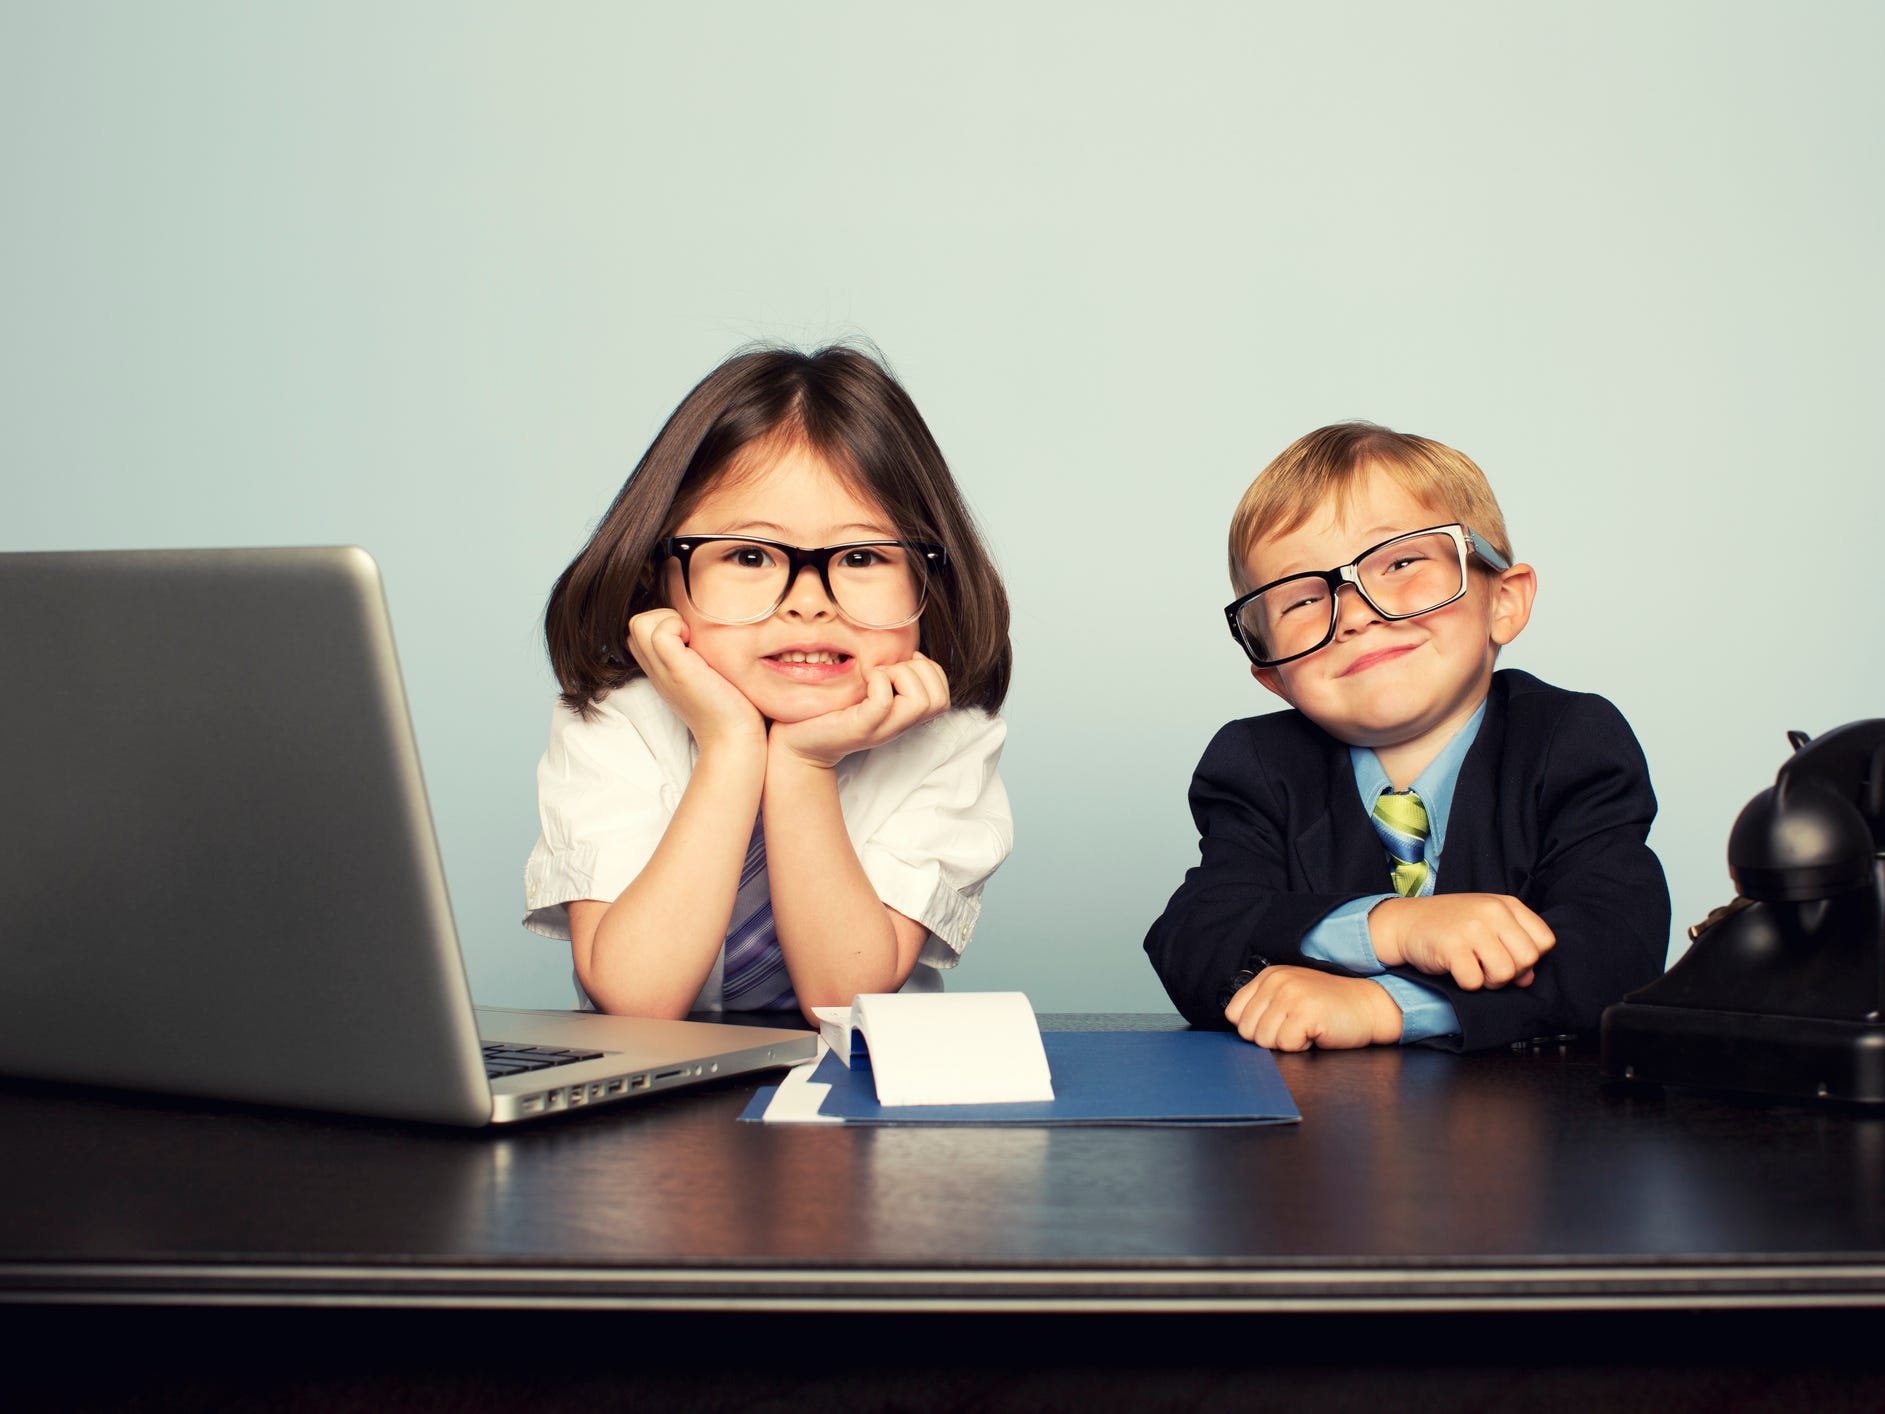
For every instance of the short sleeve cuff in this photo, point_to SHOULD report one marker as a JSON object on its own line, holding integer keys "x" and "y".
{"x": 552, "y": 882}
{"x": 923, "y": 893}
{"x": 550, "y": 921}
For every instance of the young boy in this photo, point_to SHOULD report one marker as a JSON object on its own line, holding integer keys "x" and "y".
{"x": 1424, "y": 849}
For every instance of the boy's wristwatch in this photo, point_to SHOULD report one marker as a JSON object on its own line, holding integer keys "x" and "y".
{"x": 1243, "y": 979}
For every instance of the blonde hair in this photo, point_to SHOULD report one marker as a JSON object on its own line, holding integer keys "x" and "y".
{"x": 1327, "y": 466}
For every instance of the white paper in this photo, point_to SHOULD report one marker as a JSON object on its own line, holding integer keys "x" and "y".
{"x": 834, "y": 1029}
{"x": 797, "y": 1099}
{"x": 953, "y": 1048}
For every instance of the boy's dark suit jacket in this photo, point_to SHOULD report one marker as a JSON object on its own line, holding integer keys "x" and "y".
{"x": 1553, "y": 806}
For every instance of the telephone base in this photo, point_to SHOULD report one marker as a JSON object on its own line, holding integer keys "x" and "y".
{"x": 1791, "y": 1057}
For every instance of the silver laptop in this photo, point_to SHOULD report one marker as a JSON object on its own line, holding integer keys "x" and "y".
{"x": 218, "y": 875}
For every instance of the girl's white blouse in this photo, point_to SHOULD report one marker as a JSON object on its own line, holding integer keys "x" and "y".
{"x": 927, "y": 814}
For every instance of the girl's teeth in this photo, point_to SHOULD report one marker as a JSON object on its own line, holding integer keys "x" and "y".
{"x": 807, "y": 657}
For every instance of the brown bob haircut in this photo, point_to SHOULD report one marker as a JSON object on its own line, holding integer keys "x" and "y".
{"x": 844, "y": 405}
{"x": 1326, "y": 467}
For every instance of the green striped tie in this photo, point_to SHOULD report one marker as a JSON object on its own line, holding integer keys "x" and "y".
{"x": 1401, "y": 822}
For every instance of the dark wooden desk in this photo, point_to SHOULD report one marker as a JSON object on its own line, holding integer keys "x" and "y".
{"x": 1419, "y": 1185}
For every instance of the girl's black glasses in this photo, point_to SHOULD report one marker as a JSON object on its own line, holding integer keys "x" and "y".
{"x": 740, "y": 579}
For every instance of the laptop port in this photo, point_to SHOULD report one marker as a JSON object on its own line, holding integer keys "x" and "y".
{"x": 617, "y": 1087}
{"x": 640, "y": 1082}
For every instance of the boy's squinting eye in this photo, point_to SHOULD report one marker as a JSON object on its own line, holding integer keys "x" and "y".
{"x": 1401, "y": 562}
{"x": 1308, "y": 601}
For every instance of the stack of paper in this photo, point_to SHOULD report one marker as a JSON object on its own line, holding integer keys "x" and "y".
{"x": 936, "y": 1048}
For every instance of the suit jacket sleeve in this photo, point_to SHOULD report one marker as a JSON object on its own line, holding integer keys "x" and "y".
{"x": 1245, "y": 903}
{"x": 1577, "y": 853}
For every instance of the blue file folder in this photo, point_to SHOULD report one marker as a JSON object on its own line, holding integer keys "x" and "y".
{"x": 1100, "y": 1077}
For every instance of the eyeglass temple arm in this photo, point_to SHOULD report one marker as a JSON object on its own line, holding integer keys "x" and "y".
{"x": 1480, "y": 547}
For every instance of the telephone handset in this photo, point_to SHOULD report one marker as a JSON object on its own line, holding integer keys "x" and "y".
{"x": 1781, "y": 990}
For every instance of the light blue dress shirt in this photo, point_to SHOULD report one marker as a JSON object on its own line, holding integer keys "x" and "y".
{"x": 1342, "y": 936}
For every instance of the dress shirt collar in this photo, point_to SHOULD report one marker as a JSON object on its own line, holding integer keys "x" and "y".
{"x": 1434, "y": 785}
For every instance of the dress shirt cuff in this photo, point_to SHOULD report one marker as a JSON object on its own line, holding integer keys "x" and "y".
{"x": 1342, "y": 938}
{"x": 1425, "y": 1013}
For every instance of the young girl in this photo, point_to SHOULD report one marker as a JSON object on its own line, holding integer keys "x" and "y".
{"x": 771, "y": 775}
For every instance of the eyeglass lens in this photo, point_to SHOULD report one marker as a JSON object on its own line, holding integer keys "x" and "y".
{"x": 1404, "y": 577}
{"x": 875, "y": 586}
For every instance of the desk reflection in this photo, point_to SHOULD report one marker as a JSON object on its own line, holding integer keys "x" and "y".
{"x": 1401, "y": 1156}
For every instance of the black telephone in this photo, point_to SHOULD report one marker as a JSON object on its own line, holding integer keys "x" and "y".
{"x": 1782, "y": 989}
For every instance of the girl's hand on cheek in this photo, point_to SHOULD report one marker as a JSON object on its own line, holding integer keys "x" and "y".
{"x": 897, "y": 697}
{"x": 714, "y": 709}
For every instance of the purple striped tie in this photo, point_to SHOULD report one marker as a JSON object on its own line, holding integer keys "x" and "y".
{"x": 753, "y": 977}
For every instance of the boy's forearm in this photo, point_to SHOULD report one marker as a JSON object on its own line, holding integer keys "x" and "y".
{"x": 1221, "y": 924}
{"x": 1601, "y": 890}
{"x": 1242, "y": 905}
{"x": 1612, "y": 927}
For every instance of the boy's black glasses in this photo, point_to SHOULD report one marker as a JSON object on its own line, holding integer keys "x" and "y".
{"x": 739, "y": 579}
{"x": 1402, "y": 578}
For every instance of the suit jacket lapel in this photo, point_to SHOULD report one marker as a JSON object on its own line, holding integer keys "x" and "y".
{"x": 1473, "y": 821}
{"x": 1338, "y": 851}
{"x": 1476, "y": 790}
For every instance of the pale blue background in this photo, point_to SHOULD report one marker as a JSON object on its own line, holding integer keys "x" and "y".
{"x": 427, "y": 277}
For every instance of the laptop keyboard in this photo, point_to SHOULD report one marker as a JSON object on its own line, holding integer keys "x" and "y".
{"x": 503, "y": 1058}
